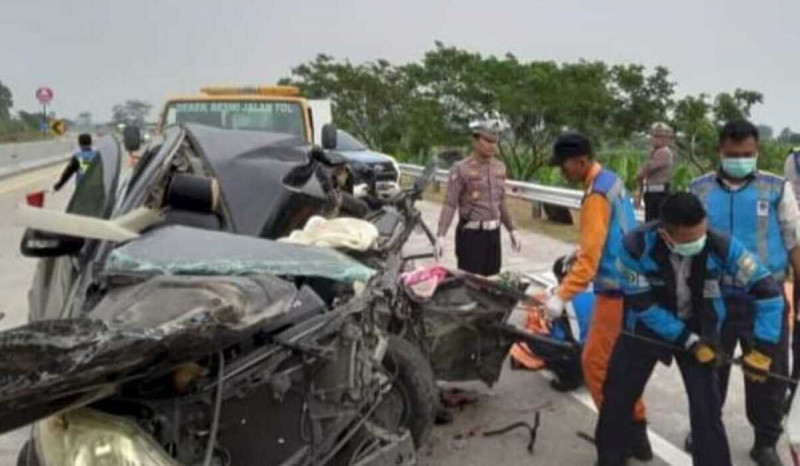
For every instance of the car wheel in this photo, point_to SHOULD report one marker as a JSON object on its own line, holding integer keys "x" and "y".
{"x": 411, "y": 401}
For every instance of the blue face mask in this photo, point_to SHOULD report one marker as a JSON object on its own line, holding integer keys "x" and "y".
{"x": 689, "y": 249}
{"x": 739, "y": 167}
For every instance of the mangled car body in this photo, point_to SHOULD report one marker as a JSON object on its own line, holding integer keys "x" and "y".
{"x": 191, "y": 344}
{"x": 205, "y": 341}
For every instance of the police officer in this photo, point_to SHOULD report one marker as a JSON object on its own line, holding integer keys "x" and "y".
{"x": 672, "y": 277}
{"x": 655, "y": 175}
{"x": 79, "y": 163}
{"x": 476, "y": 188}
{"x": 606, "y": 216}
{"x": 759, "y": 210}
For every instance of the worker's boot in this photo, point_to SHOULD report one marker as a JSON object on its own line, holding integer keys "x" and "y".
{"x": 640, "y": 443}
{"x": 687, "y": 443}
{"x": 569, "y": 375}
{"x": 765, "y": 456}
{"x": 566, "y": 384}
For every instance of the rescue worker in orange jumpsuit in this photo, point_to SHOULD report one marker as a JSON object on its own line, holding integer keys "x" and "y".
{"x": 606, "y": 216}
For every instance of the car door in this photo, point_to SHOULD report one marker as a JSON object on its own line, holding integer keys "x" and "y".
{"x": 94, "y": 196}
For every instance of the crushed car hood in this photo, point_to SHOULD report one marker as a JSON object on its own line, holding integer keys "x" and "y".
{"x": 181, "y": 250}
{"x": 135, "y": 331}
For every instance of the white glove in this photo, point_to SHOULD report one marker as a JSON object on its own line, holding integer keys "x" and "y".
{"x": 516, "y": 244}
{"x": 554, "y": 307}
{"x": 438, "y": 247}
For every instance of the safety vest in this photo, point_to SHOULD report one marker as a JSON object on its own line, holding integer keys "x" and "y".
{"x": 623, "y": 220}
{"x": 85, "y": 158}
{"x": 749, "y": 214}
{"x": 650, "y": 284}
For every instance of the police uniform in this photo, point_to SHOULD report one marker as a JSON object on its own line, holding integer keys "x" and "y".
{"x": 655, "y": 311}
{"x": 761, "y": 213}
{"x": 476, "y": 189}
{"x": 657, "y": 173}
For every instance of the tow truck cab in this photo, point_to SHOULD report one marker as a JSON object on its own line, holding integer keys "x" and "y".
{"x": 277, "y": 109}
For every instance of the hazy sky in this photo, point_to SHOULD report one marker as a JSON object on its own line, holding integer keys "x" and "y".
{"x": 98, "y": 53}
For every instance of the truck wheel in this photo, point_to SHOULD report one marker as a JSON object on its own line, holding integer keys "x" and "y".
{"x": 412, "y": 400}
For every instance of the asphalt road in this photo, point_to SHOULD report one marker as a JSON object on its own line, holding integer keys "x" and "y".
{"x": 516, "y": 397}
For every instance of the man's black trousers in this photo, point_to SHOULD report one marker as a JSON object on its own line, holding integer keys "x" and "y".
{"x": 764, "y": 401}
{"x": 631, "y": 364}
{"x": 652, "y": 205}
{"x": 478, "y": 251}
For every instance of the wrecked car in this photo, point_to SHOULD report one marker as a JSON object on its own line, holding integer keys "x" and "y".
{"x": 197, "y": 340}
{"x": 203, "y": 206}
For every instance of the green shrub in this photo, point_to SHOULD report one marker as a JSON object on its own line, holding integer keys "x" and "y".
{"x": 624, "y": 162}
{"x": 683, "y": 175}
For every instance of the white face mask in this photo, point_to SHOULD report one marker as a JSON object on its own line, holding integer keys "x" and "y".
{"x": 739, "y": 167}
{"x": 690, "y": 249}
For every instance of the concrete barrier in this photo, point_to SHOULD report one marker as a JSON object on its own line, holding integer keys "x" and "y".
{"x": 23, "y": 157}
{"x": 27, "y": 152}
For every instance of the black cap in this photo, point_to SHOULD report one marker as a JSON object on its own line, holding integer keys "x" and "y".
{"x": 570, "y": 145}
{"x": 85, "y": 140}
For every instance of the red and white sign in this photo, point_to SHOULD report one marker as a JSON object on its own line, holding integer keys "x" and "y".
{"x": 44, "y": 95}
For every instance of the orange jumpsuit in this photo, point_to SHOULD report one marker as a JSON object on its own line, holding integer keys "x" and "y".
{"x": 595, "y": 217}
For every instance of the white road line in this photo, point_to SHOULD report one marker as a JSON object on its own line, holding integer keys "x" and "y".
{"x": 661, "y": 446}
{"x": 24, "y": 180}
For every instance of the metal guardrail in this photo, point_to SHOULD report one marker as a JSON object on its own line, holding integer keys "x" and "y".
{"x": 564, "y": 197}
{"x": 533, "y": 192}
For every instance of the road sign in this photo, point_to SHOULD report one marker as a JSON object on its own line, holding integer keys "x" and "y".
{"x": 58, "y": 127}
{"x": 44, "y": 95}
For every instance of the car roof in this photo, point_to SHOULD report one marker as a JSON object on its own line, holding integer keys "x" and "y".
{"x": 250, "y": 166}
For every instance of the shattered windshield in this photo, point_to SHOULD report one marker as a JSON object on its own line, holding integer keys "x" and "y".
{"x": 180, "y": 250}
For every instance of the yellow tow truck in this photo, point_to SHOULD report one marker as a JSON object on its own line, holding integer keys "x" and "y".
{"x": 281, "y": 109}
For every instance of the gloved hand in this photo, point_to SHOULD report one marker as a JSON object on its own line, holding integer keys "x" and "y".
{"x": 554, "y": 307}
{"x": 755, "y": 365}
{"x": 438, "y": 247}
{"x": 516, "y": 244}
{"x": 702, "y": 350}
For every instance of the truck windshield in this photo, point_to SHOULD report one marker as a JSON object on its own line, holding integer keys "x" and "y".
{"x": 272, "y": 116}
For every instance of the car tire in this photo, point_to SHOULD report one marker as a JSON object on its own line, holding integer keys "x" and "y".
{"x": 414, "y": 388}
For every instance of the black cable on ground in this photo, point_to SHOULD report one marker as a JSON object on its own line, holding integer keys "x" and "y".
{"x": 532, "y": 431}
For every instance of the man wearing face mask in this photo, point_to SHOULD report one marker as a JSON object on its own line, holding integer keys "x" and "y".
{"x": 758, "y": 209}
{"x": 673, "y": 272}
{"x": 606, "y": 216}
{"x": 476, "y": 189}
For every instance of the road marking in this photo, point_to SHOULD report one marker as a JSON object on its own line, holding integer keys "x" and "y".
{"x": 28, "y": 179}
{"x": 661, "y": 446}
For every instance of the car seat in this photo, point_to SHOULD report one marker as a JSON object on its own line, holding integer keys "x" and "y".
{"x": 193, "y": 201}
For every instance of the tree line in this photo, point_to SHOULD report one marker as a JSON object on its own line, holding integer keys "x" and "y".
{"x": 16, "y": 124}
{"x": 23, "y": 123}
{"x": 414, "y": 110}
